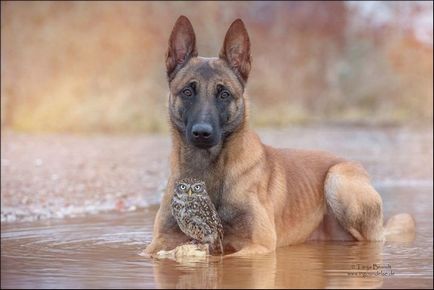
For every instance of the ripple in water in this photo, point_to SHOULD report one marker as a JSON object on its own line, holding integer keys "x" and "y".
{"x": 102, "y": 251}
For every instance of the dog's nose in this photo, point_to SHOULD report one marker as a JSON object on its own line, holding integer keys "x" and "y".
{"x": 201, "y": 132}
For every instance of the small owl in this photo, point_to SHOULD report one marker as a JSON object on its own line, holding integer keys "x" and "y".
{"x": 195, "y": 213}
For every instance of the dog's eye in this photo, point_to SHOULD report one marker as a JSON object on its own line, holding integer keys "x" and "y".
{"x": 188, "y": 92}
{"x": 224, "y": 95}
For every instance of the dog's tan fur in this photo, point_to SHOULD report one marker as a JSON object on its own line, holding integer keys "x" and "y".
{"x": 266, "y": 197}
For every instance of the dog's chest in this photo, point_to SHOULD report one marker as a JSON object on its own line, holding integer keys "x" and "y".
{"x": 234, "y": 216}
{"x": 211, "y": 172}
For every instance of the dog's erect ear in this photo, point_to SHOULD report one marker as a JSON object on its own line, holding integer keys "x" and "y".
{"x": 236, "y": 49}
{"x": 182, "y": 45}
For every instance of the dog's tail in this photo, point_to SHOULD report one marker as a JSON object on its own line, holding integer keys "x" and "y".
{"x": 400, "y": 228}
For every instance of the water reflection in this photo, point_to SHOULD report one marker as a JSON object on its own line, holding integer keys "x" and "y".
{"x": 102, "y": 251}
{"x": 313, "y": 265}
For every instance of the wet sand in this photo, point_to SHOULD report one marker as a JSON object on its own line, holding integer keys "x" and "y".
{"x": 112, "y": 185}
{"x": 56, "y": 176}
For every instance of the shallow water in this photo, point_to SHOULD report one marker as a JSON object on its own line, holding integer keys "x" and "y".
{"x": 49, "y": 177}
{"x": 102, "y": 251}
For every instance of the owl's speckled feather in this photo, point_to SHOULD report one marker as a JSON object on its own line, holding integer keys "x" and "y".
{"x": 195, "y": 213}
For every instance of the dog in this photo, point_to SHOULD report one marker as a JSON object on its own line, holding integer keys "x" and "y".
{"x": 266, "y": 197}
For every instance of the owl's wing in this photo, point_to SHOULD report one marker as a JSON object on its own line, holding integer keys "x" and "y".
{"x": 175, "y": 207}
{"x": 212, "y": 217}
{"x": 215, "y": 220}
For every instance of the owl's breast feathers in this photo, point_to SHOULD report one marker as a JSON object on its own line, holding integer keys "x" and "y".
{"x": 198, "y": 218}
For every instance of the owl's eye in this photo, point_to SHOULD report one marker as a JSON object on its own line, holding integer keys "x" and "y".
{"x": 197, "y": 187}
{"x": 182, "y": 187}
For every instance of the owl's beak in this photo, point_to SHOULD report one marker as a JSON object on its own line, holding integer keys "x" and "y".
{"x": 189, "y": 191}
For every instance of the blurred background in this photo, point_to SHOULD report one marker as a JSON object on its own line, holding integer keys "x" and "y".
{"x": 99, "y": 67}
{"x": 83, "y": 86}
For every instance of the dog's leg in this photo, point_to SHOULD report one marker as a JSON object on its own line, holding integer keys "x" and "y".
{"x": 166, "y": 235}
{"x": 164, "y": 242}
{"x": 254, "y": 234}
{"x": 355, "y": 203}
{"x": 249, "y": 250}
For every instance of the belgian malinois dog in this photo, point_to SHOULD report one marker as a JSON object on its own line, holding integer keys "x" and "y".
{"x": 266, "y": 197}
